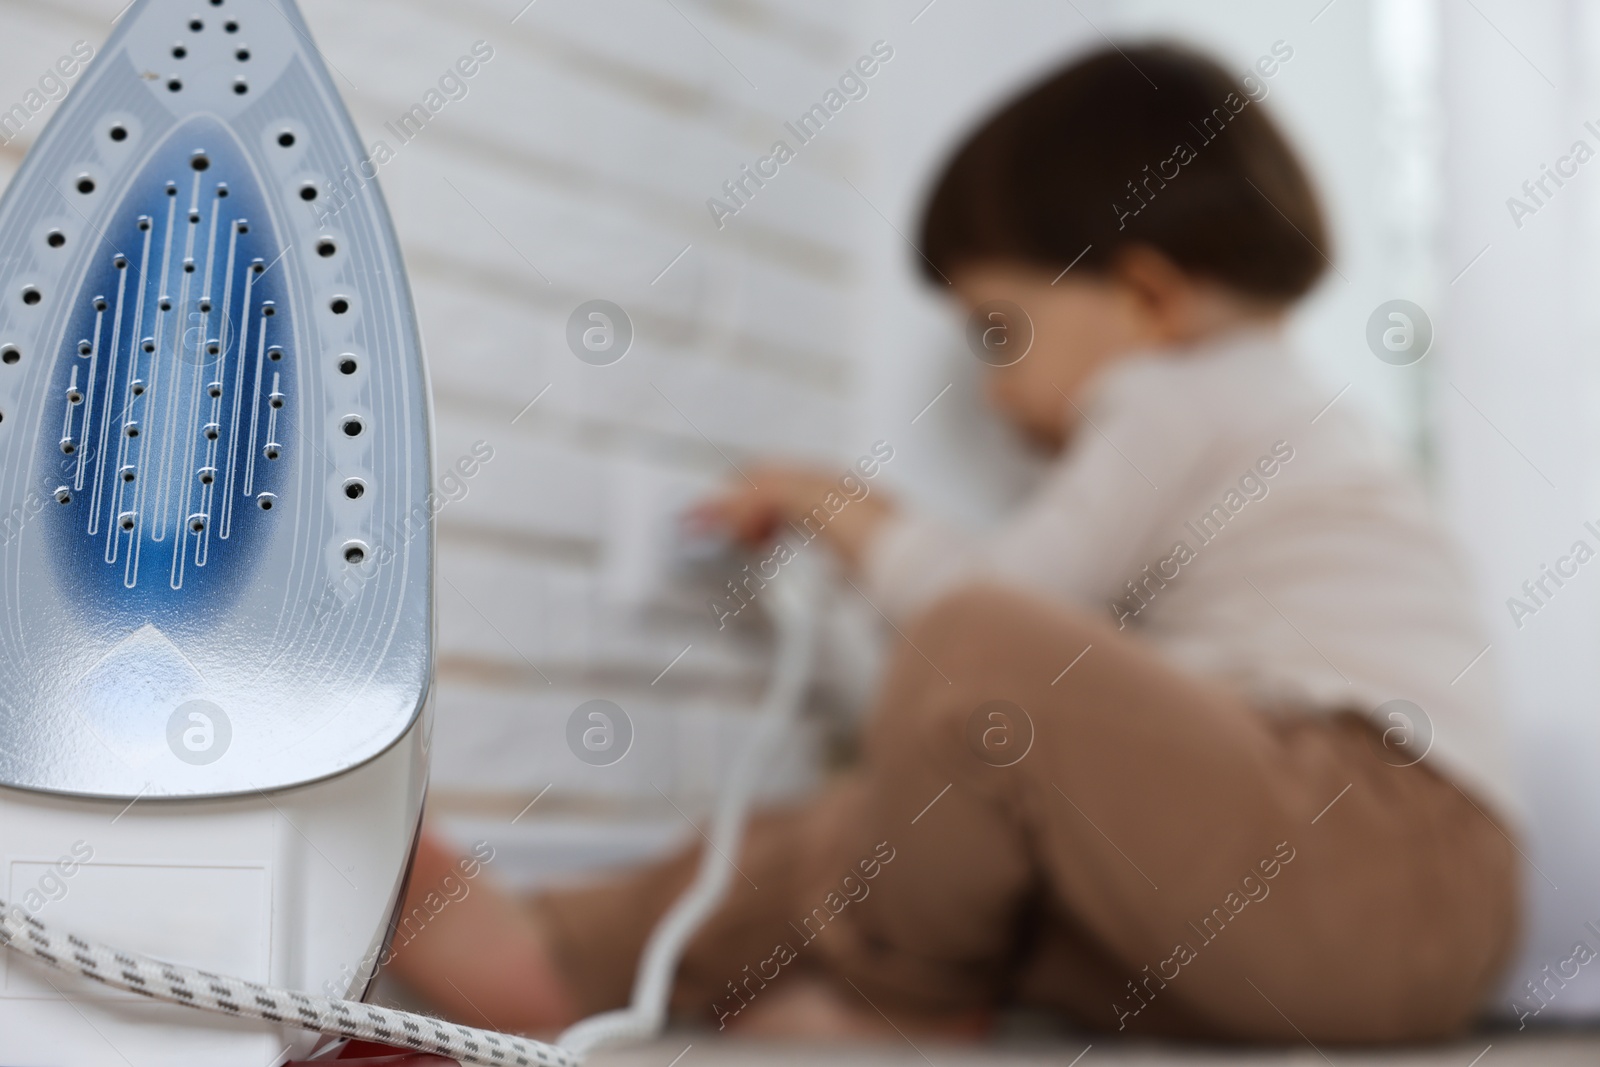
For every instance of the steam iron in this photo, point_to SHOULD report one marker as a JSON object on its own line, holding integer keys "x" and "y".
{"x": 216, "y": 542}
{"x": 215, "y": 616}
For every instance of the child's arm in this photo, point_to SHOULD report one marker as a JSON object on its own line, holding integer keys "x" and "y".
{"x": 1090, "y": 526}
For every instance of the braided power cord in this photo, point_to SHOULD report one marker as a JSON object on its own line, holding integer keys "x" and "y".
{"x": 204, "y": 991}
{"x": 793, "y": 607}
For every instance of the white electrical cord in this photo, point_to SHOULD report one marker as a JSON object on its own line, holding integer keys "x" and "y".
{"x": 792, "y": 604}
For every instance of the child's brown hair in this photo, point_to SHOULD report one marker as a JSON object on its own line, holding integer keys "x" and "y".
{"x": 1151, "y": 145}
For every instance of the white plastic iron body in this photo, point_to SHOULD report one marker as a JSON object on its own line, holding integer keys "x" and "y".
{"x": 216, "y": 546}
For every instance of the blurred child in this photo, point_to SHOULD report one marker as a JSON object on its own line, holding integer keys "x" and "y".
{"x": 1197, "y": 743}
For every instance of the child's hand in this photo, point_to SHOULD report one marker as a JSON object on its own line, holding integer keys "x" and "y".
{"x": 755, "y": 514}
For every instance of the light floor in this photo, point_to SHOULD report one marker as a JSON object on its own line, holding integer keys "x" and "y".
{"x": 1491, "y": 1049}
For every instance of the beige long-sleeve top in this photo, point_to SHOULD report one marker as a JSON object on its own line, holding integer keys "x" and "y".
{"x": 1223, "y": 506}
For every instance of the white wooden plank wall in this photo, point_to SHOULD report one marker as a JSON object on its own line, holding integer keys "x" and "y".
{"x": 577, "y": 167}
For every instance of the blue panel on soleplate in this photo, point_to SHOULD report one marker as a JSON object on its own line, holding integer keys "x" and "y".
{"x": 174, "y": 388}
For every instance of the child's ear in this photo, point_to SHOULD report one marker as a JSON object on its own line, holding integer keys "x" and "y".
{"x": 1161, "y": 289}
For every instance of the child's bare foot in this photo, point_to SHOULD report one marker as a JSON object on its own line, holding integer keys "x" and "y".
{"x": 473, "y": 952}
{"x": 807, "y": 1007}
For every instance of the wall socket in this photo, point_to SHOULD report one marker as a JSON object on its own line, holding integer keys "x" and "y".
{"x": 649, "y": 559}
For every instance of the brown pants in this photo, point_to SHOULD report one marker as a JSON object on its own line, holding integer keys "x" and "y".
{"x": 1161, "y": 859}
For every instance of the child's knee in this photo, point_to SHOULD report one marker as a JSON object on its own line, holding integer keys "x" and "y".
{"x": 971, "y": 613}
{"x": 979, "y": 628}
